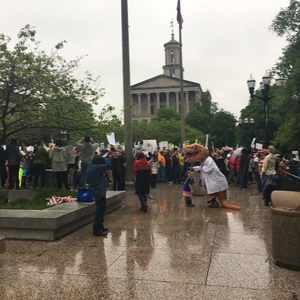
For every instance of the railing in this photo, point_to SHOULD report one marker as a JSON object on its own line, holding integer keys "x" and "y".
{"x": 288, "y": 182}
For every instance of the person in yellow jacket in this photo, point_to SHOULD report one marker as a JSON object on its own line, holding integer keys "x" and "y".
{"x": 22, "y": 174}
{"x": 181, "y": 163}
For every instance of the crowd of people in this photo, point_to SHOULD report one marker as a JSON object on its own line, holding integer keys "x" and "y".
{"x": 99, "y": 168}
{"x": 261, "y": 167}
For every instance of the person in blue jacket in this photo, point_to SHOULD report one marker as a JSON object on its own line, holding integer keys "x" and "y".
{"x": 98, "y": 186}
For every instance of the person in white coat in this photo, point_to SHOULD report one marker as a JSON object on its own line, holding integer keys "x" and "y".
{"x": 213, "y": 179}
{"x": 215, "y": 183}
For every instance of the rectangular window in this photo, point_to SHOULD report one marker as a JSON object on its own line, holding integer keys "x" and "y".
{"x": 172, "y": 57}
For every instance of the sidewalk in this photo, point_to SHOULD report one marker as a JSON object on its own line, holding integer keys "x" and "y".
{"x": 170, "y": 252}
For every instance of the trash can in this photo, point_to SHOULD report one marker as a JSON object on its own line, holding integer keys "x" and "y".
{"x": 285, "y": 217}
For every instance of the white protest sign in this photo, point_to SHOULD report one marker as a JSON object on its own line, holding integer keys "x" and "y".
{"x": 111, "y": 138}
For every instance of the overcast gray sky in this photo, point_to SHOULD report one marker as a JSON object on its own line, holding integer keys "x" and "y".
{"x": 223, "y": 41}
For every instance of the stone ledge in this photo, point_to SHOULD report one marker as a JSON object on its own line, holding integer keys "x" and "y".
{"x": 2, "y": 245}
{"x": 55, "y": 222}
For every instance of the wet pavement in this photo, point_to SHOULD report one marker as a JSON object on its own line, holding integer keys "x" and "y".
{"x": 170, "y": 252}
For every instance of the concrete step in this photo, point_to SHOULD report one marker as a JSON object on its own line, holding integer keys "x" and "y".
{"x": 54, "y": 222}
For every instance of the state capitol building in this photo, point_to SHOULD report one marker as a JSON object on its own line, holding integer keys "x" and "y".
{"x": 163, "y": 90}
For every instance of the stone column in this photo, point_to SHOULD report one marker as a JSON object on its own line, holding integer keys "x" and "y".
{"x": 139, "y": 104}
{"x": 197, "y": 99}
{"x": 148, "y": 104}
{"x": 134, "y": 106}
{"x": 187, "y": 104}
{"x": 177, "y": 102}
{"x": 157, "y": 101}
{"x": 168, "y": 99}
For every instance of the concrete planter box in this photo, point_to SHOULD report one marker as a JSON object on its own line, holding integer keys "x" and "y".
{"x": 55, "y": 222}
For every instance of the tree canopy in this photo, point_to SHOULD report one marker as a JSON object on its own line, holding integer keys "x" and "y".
{"x": 287, "y": 24}
{"x": 38, "y": 92}
{"x": 166, "y": 113}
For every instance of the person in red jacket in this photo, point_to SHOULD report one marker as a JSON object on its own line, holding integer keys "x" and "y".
{"x": 231, "y": 167}
{"x": 237, "y": 169}
{"x": 141, "y": 171}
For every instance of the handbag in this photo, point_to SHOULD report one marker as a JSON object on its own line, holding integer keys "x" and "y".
{"x": 84, "y": 195}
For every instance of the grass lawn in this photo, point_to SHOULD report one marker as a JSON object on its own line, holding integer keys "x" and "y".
{"x": 39, "y": 201}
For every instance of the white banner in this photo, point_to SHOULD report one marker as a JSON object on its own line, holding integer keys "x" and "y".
{"x": 111, "y": 138}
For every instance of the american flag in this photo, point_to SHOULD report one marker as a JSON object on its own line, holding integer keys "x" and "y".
{"x": 179, "y": 16}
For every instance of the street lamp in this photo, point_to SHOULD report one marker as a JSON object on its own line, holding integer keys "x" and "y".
{"x": 265, "y": 87}
{"x": 246, "y": 122}
{"x": 64, "y": 137}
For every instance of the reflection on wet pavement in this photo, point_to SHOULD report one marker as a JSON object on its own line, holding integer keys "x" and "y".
{"x": 170, "y": 252}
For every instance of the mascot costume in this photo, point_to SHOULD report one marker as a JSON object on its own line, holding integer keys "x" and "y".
{"x": 215, "y": 182}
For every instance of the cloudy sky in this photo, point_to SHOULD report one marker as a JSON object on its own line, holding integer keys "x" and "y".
{"x": 223, "y": 40}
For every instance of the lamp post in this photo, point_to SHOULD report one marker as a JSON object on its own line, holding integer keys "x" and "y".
{"x": 64, "y": 137}
{"x": 246, "y": 122}
{"x": 265, "y": 87}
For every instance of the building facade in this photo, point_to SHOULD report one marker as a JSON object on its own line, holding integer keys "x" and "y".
{"x": 164, "y": 90}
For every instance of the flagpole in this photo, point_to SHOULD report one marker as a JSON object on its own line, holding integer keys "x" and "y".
{"x": 182, "y": 100}
{"x": 126, "y": 91}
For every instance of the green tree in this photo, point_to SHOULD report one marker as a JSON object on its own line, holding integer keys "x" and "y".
{"x": 223, "y": 129}
{"x": 198, "y": 120}
{"x": 201, "y": 114}
{"x": 287, "y": 24}
{"x": 167, "y": 113}
{"x": 38, "y": 92}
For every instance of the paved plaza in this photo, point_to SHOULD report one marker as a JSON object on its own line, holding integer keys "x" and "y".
{"x": 170, "y": 252}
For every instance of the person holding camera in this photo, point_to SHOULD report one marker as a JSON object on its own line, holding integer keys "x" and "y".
{"x": 87, "y": 149}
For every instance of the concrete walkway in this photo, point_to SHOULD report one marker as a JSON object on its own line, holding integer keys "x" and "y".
{"x": 170, "y": 252}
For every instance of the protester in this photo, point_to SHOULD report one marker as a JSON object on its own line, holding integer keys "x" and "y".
{"x": 154, "y": 169}
{"x": 161, "y": 177}
{"x": 141, "y": 171}
{"x": 98, "y": 185}
{"x": 87, "y": 149}
{"x": 244, "y": 169}
{"x": 117, "y": 169}
{"x": 231, "y": 167}
{"x": 269, "y": 176}
{"x": 13, "y": 155}
{"x": 41, "y": 156}
{"x": 169, "y": 166}
{"x": 175, "y": 164}
{"x": 59, "y": 159}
